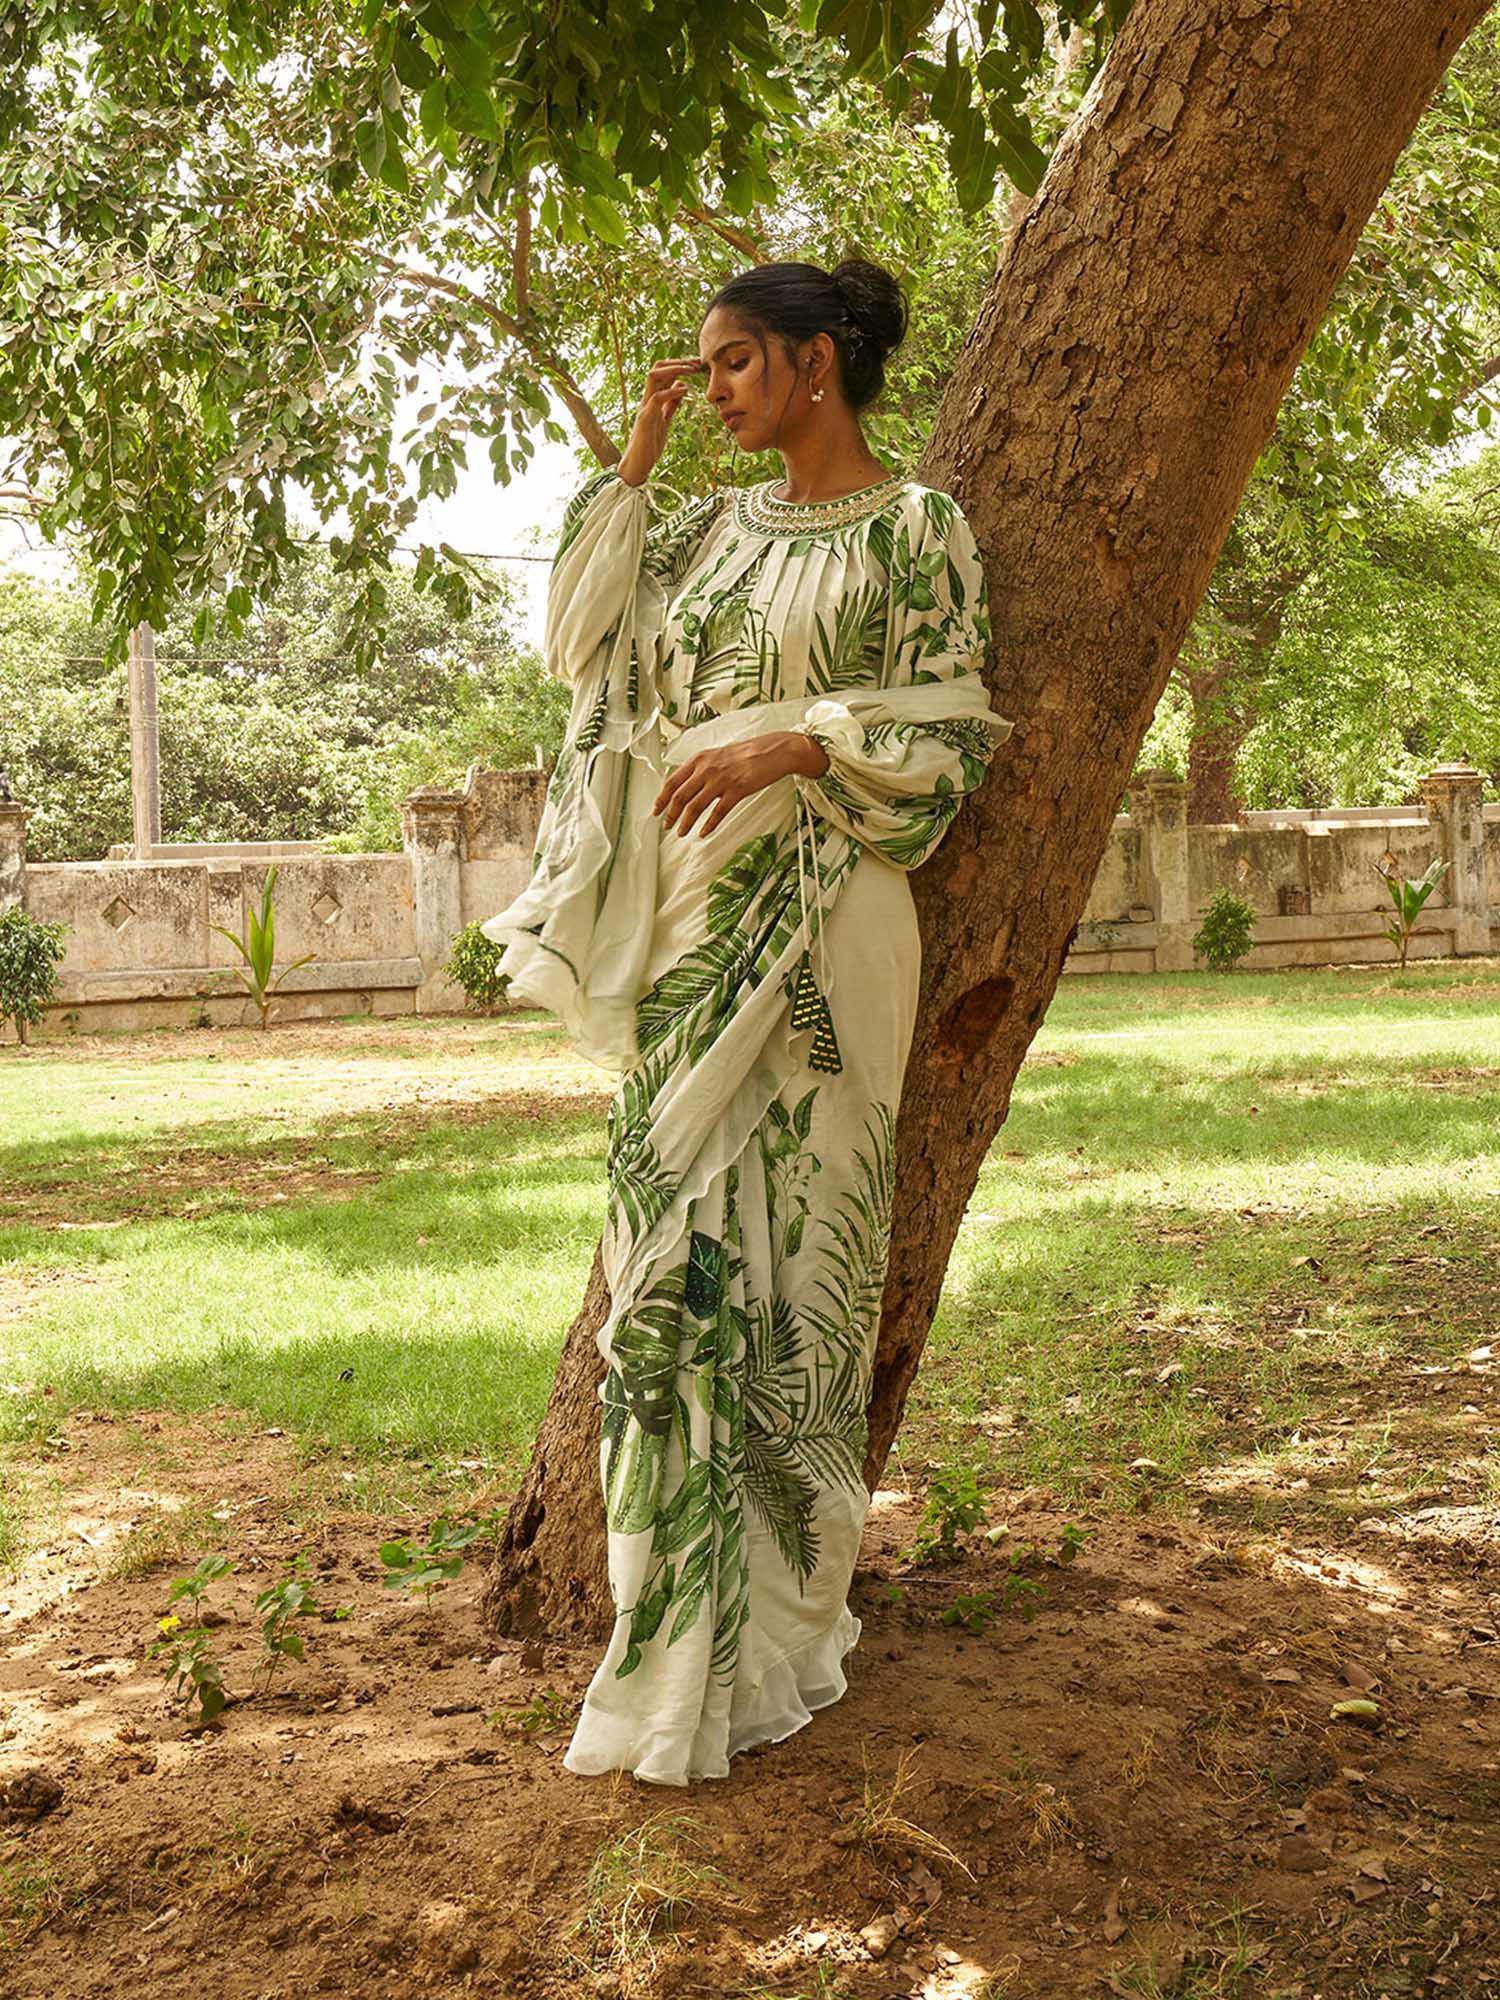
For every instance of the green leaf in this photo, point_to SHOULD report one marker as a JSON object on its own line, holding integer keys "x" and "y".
{"x": 370, "y": 143}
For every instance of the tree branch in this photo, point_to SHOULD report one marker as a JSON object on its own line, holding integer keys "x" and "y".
{"x": 738, "y": 239}
{"x": 595, "y": 436}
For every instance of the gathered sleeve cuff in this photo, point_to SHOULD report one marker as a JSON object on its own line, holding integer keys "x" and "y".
{"x": 902, "y": 757}
{"x": 594, "y": 571}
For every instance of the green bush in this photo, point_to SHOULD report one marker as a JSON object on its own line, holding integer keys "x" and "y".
{"x": 474, "y": 964}
{"x": 1226, "y": 932}
{"x": 29, "y": 953}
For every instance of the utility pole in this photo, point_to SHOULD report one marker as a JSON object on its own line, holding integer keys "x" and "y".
{"x": 145, "y": 767}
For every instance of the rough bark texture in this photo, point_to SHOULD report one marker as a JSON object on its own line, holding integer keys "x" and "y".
{"x": 1098, "y": 432}
{"x": 550, "y": 1574}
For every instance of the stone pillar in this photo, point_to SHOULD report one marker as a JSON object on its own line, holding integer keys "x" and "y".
{"x": 432, "y": 832}
{"x": 1158, "y": 806}
{"x": 1454, "y": 797}
{"x": 12, "y": 855}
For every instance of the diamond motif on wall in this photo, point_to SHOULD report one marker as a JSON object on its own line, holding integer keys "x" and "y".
{"x": 118, "y": 914}
{"x": 326, "y": 908}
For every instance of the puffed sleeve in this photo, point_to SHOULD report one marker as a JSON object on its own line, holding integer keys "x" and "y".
{"x": 594, "y": 571}
{"x": 614, "y": 534}
{"x": 902, "y": 756}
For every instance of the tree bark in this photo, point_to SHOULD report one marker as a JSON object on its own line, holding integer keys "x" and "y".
{"x": 1099, "y": 430}
{"x": 1224, "y": 690}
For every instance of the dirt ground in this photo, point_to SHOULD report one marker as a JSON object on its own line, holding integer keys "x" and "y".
{"x": 1139, "y": 1790}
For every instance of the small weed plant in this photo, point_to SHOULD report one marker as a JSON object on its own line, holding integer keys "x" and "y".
{"x": 955, "y": 1504}
{"x": 541, "y": 1716}
{"x": 258, "y": 950}
{"x": 976, "y": 1613}
{"x": 277, "y": 1607}
{"x": 882, "y": 1825}
{"x": 641, "y": 1884}
{"x": 427, "y": 1566}
{"x": 191, "y": 1668}
{"x": 1020, "y": 1593}
{"x": 1410, "y": 899}
{"x": 1226, "y": 932}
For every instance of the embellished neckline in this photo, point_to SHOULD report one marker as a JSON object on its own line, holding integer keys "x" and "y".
{"x": 757, "y": 507}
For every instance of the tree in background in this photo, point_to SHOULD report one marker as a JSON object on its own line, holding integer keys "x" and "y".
{"x": 277, "y": 735}
{"x": 1401, "y": 369}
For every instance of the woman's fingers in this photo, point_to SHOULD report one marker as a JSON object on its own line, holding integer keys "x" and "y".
{"x": 674, "y": 784}
{"x": 673, "y": 367}
{"x": 697, "y": 804}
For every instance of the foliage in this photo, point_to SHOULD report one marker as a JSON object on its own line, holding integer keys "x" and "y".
{"x": 955, "y": 1504}
{"x": 1226, "y": 932}
{"x": 1327, "y": 550}
{"x": 259, "y": 953}
{"x": 191, "y": 1667}
{"x": 232, "y": 287}
{"x": 473, "y": 963}
{"x": 30, "y": 951}
{"x": 1410, "y": 898}
{"x": 278, "y": 1606}
{"x": 279, "y": 736}
{"x": 428, "y": 1566}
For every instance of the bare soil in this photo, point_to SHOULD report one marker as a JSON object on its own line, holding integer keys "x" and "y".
{"x": 1139, "y": 1790}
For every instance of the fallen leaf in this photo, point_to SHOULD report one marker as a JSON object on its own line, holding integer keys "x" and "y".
{"x": 1366, "y": 1712}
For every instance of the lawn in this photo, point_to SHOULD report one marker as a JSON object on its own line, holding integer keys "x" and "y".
{"x": 1211, "y": 1197}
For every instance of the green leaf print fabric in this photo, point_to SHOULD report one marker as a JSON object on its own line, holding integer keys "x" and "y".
{"x": 754, "y": 991}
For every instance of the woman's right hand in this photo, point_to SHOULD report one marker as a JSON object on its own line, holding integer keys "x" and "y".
{"x": 666, "y": 385}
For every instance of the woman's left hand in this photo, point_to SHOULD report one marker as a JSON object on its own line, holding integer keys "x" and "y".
{"x": 716, "y": 780}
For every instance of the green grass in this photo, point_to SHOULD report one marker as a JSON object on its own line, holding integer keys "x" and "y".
{"x": 284, "y": 1228}
{"x": 1273, "y": 1187}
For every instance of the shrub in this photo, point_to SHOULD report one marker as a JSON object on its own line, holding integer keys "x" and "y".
{"x": 474, "y": 964}
{"x": 1226, "y": 932}
{"x": 29, "y": 953}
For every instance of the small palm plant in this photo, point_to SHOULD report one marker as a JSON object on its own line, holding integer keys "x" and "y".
{"x": 260, "y": 953}
{"x": 1408, "y": 897}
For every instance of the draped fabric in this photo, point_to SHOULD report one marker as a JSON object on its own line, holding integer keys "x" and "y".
{"x": 754, "y": 989}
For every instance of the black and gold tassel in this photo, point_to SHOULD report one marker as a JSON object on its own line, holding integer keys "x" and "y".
{"x": 810, "y": 1010}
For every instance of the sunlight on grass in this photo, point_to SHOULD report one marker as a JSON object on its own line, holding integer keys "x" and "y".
{"x": 1216, "y": 1203}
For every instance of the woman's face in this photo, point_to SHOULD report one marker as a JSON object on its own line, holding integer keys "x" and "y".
{"x": 762, "y": 398}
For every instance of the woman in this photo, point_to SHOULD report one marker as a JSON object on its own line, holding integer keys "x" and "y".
{"x": 777, "y": 709}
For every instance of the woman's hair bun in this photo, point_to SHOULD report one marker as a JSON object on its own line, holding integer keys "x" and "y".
{"x": 858, "y": 304}
{"x": 873, "y": 300}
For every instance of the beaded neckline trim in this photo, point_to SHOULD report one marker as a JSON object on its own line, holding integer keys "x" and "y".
{"x": 757, "y": 507}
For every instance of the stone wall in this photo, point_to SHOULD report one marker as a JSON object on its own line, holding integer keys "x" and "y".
{"x": 1310, "y": 877}
{"x": 142, "y": 951}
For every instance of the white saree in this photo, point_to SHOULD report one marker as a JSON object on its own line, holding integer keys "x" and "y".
{"x": 755, "y": 989}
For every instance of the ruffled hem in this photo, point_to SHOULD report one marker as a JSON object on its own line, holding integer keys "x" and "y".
{"x": 791, "y": 1692}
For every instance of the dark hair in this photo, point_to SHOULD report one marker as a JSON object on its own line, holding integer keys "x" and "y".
{"x": 859, "y": 305}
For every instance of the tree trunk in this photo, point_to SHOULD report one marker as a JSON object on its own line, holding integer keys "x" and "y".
{"x": 1101, "y": 424}
{"x": 1220, "y": 725}
{"x": 550, "y": 1573}
{"x": 1224, "y": 692}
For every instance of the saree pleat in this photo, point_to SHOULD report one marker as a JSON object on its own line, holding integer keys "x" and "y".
{"x": 754, "y": 988}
